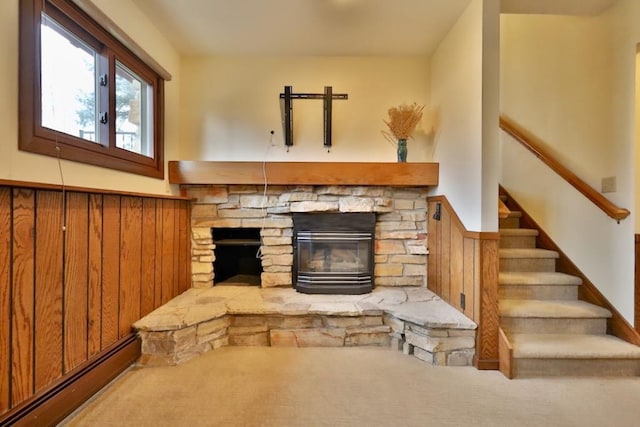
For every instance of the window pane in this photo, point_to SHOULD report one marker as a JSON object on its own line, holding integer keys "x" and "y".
{"x": 68, "y": 82}
{"x": 72, "y": 61}
{"x": 134, "y": 112}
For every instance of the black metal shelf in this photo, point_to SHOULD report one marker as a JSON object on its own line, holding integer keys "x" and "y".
{"x": 237, "y": 242}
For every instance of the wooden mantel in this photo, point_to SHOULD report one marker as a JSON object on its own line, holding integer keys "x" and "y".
{"x": 304, "y": 173}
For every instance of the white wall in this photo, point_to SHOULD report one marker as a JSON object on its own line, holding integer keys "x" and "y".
{"x": 624, "y": 22}
{"x": 465, "y": 96}
{"x": 636, "y": 155}
{"x": 23, "y": 166}
{"x": 230, "y": 104}
{"x": 558, "y": 80}
{"x": 490, "y": 113}
{"x": 555, "y": 83}
{"x": 8, "y": 84}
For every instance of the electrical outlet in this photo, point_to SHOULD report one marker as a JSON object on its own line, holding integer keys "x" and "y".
{"x": 608, "y": 184}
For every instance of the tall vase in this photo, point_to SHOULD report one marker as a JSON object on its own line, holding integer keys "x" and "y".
{"x": 402, "y": 150}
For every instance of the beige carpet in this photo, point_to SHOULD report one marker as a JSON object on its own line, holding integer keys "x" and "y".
{"x": 269, "y": 386}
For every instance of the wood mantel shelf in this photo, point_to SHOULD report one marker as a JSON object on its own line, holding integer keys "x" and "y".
{"x": 304, "y": 173}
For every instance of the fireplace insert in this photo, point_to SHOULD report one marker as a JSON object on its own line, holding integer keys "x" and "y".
{"x": 333, "y": 252}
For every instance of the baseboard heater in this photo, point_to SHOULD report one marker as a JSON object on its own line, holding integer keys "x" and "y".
{"x": 52, "y": 405}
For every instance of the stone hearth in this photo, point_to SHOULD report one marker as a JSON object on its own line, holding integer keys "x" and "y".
{"x": 410, "y": 319}
{"x": 401, "y": 226}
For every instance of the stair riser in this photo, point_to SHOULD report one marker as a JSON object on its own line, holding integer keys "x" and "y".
{"x": 536, "y": 325}
{"x": 539, "y": 292}
{"x": 517, "y": 242}
{"x": 511, "y": 222}
{"x": 524, "y": 368}
{"x": 528, "y": 264}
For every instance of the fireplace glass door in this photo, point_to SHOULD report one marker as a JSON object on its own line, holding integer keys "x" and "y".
{"x": 329, "y": 253}
{"x": 338, "y": 261}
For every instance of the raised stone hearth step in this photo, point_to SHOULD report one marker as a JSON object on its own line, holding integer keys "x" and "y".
{"x": 528, "y": 260}
{"x": 518, "y": 238}
{"x": 573, "y": 355}
{"x": 331, "y": 337}
{"x": 555, "y": 316}
{"x": 538, "y": 285}
{"x": 512, "y": 221}
{"x": 201, "y": 320}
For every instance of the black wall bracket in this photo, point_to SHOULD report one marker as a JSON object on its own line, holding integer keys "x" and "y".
{"x": 287, "y": 111}
{"x": 438, "y": 211}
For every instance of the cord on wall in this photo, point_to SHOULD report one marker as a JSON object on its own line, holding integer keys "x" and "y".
{"x": 264, "y": 191}
{"x": 64, "y": 190}
{"x": 64, "y": 187}
{"x": 58, "y": 150}
{"x": 266, "y": 182}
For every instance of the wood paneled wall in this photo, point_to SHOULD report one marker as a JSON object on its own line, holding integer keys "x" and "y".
{"x": 76, "y": 270}
{"x": 463, "y": 271}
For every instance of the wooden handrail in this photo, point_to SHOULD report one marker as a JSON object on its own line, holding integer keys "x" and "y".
{"x": 536, "y": 146}
{"x": 503, "y": 210}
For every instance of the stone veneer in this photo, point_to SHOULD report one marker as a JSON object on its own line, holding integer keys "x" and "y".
{"x": 412, "y": 319}
{"x": 401, "y": 226}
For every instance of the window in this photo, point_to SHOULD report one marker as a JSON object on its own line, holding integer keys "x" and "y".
{"x": 83, "y": 95}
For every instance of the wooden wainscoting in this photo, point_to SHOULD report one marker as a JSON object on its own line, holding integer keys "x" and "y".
{"x": 463, "y": 270}
{"x": 77, "y": 268}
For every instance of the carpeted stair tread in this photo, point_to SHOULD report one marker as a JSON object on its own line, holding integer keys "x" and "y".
{"x": 572, "y": 346}
{"x": 528, "y": 253}
{"x": 553, "y": 309}
{"x": 551, "y": 332}
{"x": 520, "y": 232}
{"x": 532, "y": 278}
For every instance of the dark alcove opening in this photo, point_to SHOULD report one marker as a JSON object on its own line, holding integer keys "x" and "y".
{"x": 237, "y": 261}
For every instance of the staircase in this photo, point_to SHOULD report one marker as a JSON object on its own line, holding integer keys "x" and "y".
{"x": 545, "y": 329}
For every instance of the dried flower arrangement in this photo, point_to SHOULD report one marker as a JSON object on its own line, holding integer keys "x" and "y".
{"x": 402, "y": 121}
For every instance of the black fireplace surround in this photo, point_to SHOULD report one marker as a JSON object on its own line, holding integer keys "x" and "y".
{"x": 333, "y": 253}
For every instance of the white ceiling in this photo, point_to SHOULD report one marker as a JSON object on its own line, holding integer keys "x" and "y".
{"x": 304, "y": 27}
{"x": 324, "y": 27}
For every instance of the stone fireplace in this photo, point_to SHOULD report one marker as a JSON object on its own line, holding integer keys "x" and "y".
{"x": 400, "y": 251}
{"x": 400, "y": 310}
